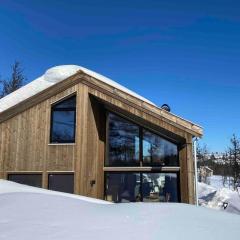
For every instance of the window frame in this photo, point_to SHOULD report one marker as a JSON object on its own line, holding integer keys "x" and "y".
{"x": 141, "y": 128}
{"x": 141, "y": 168}
{"x": 107, "y": 140}
{"x": 141, "y": 181}
{"x": 159, "y": 135}
{"x": 51, "y": 142}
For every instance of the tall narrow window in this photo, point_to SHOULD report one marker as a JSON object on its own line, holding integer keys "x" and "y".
{"x": 123, "y": 142}
{"x": 63, "y": 121}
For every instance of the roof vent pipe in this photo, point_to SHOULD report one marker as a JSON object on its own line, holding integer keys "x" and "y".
{"x": 166, "y": 107}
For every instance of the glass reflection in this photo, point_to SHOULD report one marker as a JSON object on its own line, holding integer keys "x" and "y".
{"x": 123, "y": 142}
{"x": 63, "y": 127}
{"x": 63, "y": 121}
{"x": 146, "y": 187}
{"x": 158, "y": 151}
{"x": 122, "y": 187}
{"x": 159, "y": 187}
{"x": 68, "y": 103}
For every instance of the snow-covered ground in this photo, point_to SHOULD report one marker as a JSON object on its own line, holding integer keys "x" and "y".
{"x": 32, "y": 213}
{"x": 216, "y": 181}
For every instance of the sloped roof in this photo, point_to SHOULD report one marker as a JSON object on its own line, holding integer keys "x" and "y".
{"x": 53, "y": 76}
{"x": 58, "y": 74}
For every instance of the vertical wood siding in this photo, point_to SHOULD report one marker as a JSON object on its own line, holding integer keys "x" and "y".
{"x": 24, "y": 143}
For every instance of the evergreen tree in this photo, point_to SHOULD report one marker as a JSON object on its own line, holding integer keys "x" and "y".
{"x": 233, "y": 160}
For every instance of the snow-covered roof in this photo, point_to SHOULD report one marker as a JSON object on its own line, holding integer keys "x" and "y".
{"x": 53, "y": 76}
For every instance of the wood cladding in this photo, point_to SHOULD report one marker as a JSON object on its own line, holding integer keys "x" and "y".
{"x": 25, "y": 134}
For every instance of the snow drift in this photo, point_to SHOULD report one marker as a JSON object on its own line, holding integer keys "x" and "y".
{"x": 216, "y": 197}
{"x": 12, "y": 187}
{"x": 27, "y": 214}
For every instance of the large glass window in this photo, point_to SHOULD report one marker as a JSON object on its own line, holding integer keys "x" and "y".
{"x": 147, "y": 187}
{"x": 123, "y": 142}
{"x": 34, "y": 180}
{"x": 158, "y": 151}
{"x": 61, "y": 182}
{"x": 130, "y": 145}
{"x": 63, "y": 121}
{"x": 122, "y": 187}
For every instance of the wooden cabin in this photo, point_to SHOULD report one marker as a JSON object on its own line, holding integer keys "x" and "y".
{"x": 76, "y": 131}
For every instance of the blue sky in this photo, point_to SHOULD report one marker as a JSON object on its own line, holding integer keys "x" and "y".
{"x": 184, "y": 53}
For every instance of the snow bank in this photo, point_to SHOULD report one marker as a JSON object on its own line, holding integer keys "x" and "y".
{"x": 27, "y": 215}
{"x": 52, "y": 76}
{"x": 12, "y": 187}
{"x": 205, "y": 190}
{"x": 215, "y": 198}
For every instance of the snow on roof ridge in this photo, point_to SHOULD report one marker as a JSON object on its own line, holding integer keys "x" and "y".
{"x": 51, "y": 77}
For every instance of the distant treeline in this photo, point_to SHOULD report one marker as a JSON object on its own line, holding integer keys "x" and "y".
{"x": 228, "y": 165}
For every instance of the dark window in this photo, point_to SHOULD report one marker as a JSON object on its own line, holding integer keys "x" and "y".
{"x": 122, "y": 187}
{"x": 131, "y": 145}
{"x": 123, "y": 142}
{"x": 63, "y": 121}
{"x": 61, "y": 182}
{"x": 158, "y": 151}
{"x": 147, "y": 187}
{"x": 34, "y": 180}
{"x": 160, "y": 187}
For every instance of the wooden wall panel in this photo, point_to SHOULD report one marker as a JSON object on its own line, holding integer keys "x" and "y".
{"x": 187, "y": 172}
{"x": 25, "y": 145}
{"x": 89, "y": 146}
{"x": 183, "y": 175}
{"x": 81, "y": 140}
{"x": 190, "y": 169}
{"x": 96, "y": 148}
